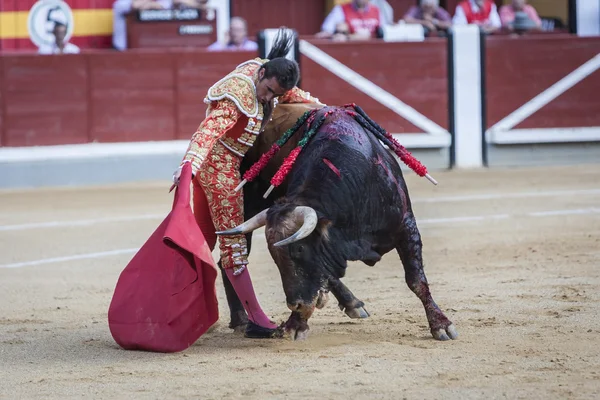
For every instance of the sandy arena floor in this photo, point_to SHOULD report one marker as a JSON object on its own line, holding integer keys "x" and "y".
{"x": 512, "y": 256}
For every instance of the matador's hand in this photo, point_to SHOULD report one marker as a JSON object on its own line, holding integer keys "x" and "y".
{"x": 176, "y": 177}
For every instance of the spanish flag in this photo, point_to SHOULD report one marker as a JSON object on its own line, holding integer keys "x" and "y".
{"x": 92, "y": 23}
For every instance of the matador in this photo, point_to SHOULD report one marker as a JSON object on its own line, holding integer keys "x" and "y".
{"x": 239, "y": 106}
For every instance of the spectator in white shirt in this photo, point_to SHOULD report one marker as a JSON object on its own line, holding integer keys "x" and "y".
{"x": 59, "y": 46}
{"x": 386, "y": 10}
{"x": 237, "y": 38}
{"x": 479, "y": 12}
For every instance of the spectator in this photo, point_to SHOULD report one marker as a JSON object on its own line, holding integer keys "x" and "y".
{"x": 120, "y": 10}
{"x": 479, "y": 12}
{"x": 363, "y": 19}
{"x": 429, "y": 14}
{"x": 237, "y": 38}
{"x": 60, "y": 46}
{"x": 341, "y": 33}
{"x": 385, "y": 10}
{"x": 529, "y": 18}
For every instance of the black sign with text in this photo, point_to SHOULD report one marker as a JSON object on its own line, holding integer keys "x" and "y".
{"x": 195, "y": 29}
{"x": 168, "y": 15}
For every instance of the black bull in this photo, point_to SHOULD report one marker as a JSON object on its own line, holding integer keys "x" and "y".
{"x": 344, "y": 200}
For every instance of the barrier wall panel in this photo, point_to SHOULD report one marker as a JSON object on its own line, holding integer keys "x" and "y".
{"x": 45, "y": 100}
{"x": 131, "y": 97}
{"x": 2, "y": 125}
{"x": 332, "y": 90}
{"x": 519, "y": 70}
{"x": 202, "y": 69}
{"x": 125, "y": 115}
{"x": 131, "y": 70}
{"x": 415, "y": 73}
{"x": 191, "y": 110}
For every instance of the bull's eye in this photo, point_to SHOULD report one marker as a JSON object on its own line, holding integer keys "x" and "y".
{"x": 296, "y": 251}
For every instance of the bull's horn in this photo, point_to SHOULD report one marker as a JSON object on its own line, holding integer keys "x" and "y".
{"x": 309, "y": 223}
{"x": 259, "y": 220}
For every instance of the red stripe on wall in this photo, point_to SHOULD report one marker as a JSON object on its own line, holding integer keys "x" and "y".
{"x": 91, "y": 4}
{"x": 7, "y": 44}
{"x": 25, "y": 5}
{"x": 8, "y": 5}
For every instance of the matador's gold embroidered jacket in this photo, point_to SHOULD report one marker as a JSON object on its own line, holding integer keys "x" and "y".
{"x": 234, "y": 116}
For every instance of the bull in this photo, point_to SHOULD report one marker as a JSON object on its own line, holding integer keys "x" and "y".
{"x": 344, "y": 200}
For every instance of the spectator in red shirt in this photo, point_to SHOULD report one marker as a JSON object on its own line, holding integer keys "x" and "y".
{"x": 479, "y": 12}
{"x": 509, "y": 11}
{"x": 363, "y": 20}
{"x": 434, "y": 18}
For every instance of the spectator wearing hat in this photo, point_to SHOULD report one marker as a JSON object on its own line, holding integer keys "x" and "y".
{"x": 520, "y": 16}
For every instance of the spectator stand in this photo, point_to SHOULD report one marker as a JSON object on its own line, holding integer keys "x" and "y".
{"x": 171, "y": 28}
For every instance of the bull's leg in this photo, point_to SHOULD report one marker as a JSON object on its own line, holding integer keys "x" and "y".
{"x": 296, "y": 326}
{"x": 238, "y": 316}
{"x": 410, "y": 251}
{"x": 348, "y": 303}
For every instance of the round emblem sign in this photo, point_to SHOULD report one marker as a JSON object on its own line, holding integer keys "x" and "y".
{"x": 43, "y": 17}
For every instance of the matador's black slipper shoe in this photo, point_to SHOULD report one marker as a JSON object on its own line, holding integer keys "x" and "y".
{"x": 255, "y": 331}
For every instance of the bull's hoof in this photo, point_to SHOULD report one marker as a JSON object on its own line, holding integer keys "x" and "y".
{"x": 322, "y": 299}
{"x": 254, "y": 331}
{"x": 296, "y": 327}
{"x": 296, "y": 334}
{"x": 445, "y": 334}
{"x": 356, "y": 313}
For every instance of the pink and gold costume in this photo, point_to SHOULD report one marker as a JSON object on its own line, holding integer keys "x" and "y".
{"x": 234, "y": 119}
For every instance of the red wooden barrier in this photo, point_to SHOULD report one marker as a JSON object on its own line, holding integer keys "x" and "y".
{"x": 519, "y": 69}
{"x": 2, "y": 109}
{"x": 415, "y": 73}
{"x": 132, "y": 97}
{"x": 145, "y": 95}
{"x": 107, "y": 96}
{"x": 45, "y": 100}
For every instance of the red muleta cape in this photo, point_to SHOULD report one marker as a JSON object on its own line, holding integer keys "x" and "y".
{"x": 165, "y": 298}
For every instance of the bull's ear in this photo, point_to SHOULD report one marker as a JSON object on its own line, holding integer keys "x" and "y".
{"x": 323, "y": 226}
